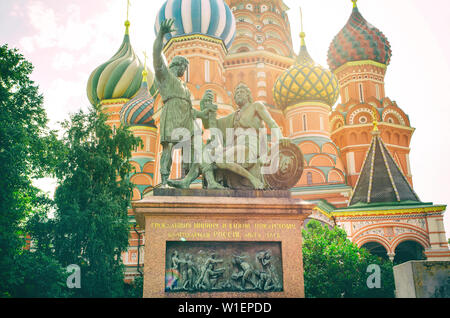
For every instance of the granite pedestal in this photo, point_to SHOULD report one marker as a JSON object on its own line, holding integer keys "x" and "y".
{"x": 222, "y": 243}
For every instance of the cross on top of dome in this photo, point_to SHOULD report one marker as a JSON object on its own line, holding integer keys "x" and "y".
{"x": 145, "y": 72}
{"x": 127, "y": 21}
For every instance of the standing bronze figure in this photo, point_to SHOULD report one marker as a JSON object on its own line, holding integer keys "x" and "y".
{"x": 177, "y": 110}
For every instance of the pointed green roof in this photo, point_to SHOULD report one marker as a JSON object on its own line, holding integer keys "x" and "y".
{"x": 381, "y": 180}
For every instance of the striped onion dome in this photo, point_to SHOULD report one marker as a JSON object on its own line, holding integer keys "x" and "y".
{"x": 208, "y": 17}
{"x": 358, "y": 41}
{"x": 120, "y": 77}
{"x": 305, "y": 81}
{"x": 139, "y": 110}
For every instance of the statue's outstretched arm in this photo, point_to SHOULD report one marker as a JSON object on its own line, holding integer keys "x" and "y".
{"x": 161, "y": 70}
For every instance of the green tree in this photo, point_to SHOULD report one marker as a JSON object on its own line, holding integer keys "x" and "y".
{"x": 26, "y": 145}
{"x": 91, "y": 226}
{"x": 135, "y": 289}
{"x": 335, "y": 267}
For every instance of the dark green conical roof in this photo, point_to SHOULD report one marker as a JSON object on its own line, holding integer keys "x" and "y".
{"x": 381, "y": 180}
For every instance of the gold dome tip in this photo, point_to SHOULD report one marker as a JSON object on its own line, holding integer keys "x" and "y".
{"x": 127, "y": 26}
{"x": 144, "y": 75}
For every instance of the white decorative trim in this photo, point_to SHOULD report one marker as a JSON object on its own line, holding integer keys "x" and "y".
{"x": 356, "y": 112}
{"x": 396, "y": 114}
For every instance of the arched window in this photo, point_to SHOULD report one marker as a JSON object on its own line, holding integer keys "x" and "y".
{"x": 207, "y": 71}
{"x": 309, "y": 178}
{"x": 243, "y": 49}
{"x": 361, "y": 93}
{"x": 187, "y": 74}
{"x": 376, "y": 249}
{"x": 408, "y": 251}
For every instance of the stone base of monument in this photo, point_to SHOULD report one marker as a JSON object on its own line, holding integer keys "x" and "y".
{"x": 222, "y": 245}
{"x": 422, "y": 279}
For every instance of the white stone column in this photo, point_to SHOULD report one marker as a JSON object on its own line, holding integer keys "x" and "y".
{"x": 438, "y": 250}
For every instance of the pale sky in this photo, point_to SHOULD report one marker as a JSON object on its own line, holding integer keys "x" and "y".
{"x": 67, "y": 39}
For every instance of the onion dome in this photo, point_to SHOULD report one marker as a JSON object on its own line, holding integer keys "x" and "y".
{"x": 208, "y": 17}
{"x": 139, "y": 110}
{"x": 120, "y": 77}
{"x": 358, "y": 41}
{"x": 305, "y": 81}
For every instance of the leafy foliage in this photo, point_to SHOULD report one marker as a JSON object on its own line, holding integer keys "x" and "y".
{"x": 41, "y": 277}
{"x": 135, "y": 289}
{"x": 335, "y": 267}
{"x": 25, "y": 148}
{"x": 92, "y": 199}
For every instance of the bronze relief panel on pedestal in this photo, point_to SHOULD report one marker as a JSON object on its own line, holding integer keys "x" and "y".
{"x": 223, "y": 267}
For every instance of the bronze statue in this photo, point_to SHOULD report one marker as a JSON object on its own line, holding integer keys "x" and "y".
{"x": 177, "y": 110}
{"x": 237, "y": 175}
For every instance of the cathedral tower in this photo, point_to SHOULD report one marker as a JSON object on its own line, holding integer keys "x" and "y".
{"x": 306, "y": 93}
{"x": 386, "y": 216}
{"x": 359, "y": 56}
{"x": 262, "y": 50}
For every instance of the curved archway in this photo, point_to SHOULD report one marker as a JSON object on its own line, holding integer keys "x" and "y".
{"x": 321, "y": 160}
{"x": 141, "y": 179}
{"x": 309, "y": 147}
{"x": 336, "y": 121}
{"x": 269, "y": 16}
{"x": 329, "y": 148}
{"x": 353, "y": 139}
{"x": 272, "y": 50}
{"x": 336, "y": 176}
{"x": 409, "y": 251}
{"x": 149, "y": 167}
{"x": 396, "y": 139}
{"x": 376, "y": 249}
{"x": 364, "y": 138}
{"x": 278, "y": 45}
{"x": 136, "y": 166}
{"x": 243, "y": 49}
